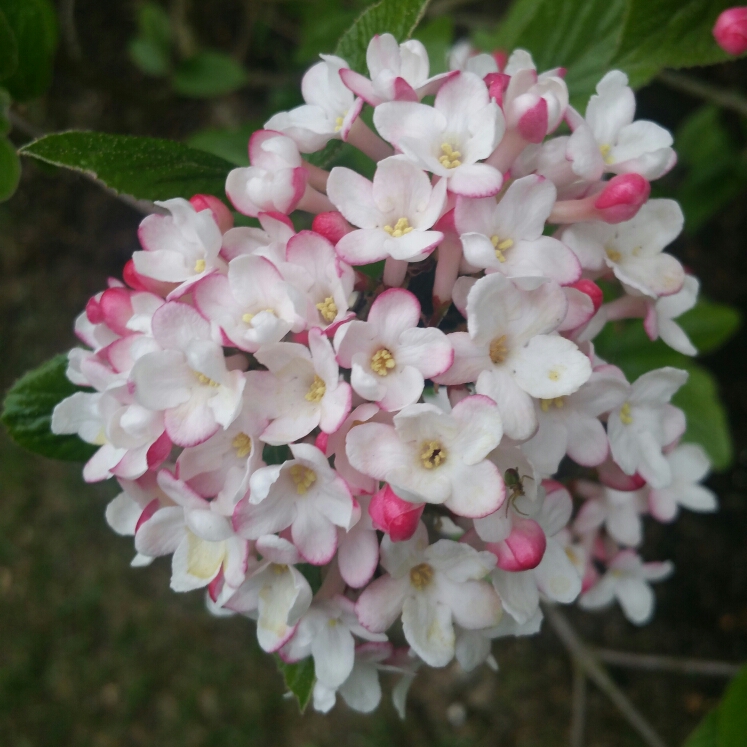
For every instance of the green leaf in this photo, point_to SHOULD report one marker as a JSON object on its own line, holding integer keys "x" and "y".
{"x": 707, "y": 423}
{"x": 706, "y": 734}
{"x": 4, "y": 108}
{"x": 208, "y": 74}
{"x": 438, "y": 38}
{"x": 668, "y": 33}
{"x": 10, "y": 169}
{"x": 149, "y": 57}
{"x": 34, "y": 26}
{"x": 27, "y": 412}
{"x": 151, "y": 49}
{"x": 397, "y": 17}
{"x": 580, "y": 35}
{"x": 233, "y": 144}
{"x": 312, "y": 573}
{"x": 8, "y": 48}
{"x": 715, "y": 168}
{"x": 275, "y": 454}
{"x": 155, "y": 25}
{"x": 146, "y": 168}
{"x": 299, "y": 679}
{"x": 709, "y": 325}
{"x": 732, "y": 713}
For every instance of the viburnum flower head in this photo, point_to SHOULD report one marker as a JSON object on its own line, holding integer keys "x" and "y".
{"x": 268, "y": 402}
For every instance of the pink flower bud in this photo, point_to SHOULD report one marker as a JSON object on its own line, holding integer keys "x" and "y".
{"x": 116, "y": 309}
{"x": 221, "y": 213}
{"x": 622, "y": 197}
{"x": 523, "y": 549}
{"x": 533, "y": 121}
{"x": 613, "y": 477}
{"x": 730, "y": 30}
{"x": 592, "y": 290}
{"x": 331, "y": 225}
{"x": 390, "y": 514}
{"x": 497, "y": 84}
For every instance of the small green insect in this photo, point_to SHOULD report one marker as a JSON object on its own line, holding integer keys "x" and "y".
{"x": 515, "y": 484}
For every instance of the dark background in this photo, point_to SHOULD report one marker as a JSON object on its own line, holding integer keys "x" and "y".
{"x": 95, "y": 653}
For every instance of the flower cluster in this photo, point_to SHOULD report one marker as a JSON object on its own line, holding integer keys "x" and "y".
{"x": 377, "y": 474}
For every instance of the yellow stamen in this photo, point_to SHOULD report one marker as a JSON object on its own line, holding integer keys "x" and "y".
{"x": 433, "y": 454}
{"x": 498, "y": 349}
{"x": 421, "y": 576}
{"x": 450, "y": 157}
{"x": 626, "y": 418}
{"x": 553, "y": 374}
{"x": 338, "y": 123}
{"x": 547, "y": 404}
{"x": 279, "y": 569}
{"x": 200, "y": 266}
{"x": 316, "y": 390}
{"x": 206, "y": 380}
{"x": 613, "y": 254}
{"x": 605, "y": 151}
{"x": 303, "y": 477}
{"x": 501, "y": 246}
{"x": 401, "y": 227}
{"x": 382, "y": 362}
{"x": 333, "y": 622}
{"x": 242, "y": 444}
{"x": 328, "y": 309}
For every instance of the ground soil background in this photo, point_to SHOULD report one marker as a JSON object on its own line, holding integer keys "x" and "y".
{"x": 93, "y": 652}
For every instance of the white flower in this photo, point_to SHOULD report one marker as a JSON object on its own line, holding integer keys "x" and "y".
{"x": 609, "y": 140}
{"x": 633, "y": 249}
{"x": 390, "y": 356}
{"x": 303, "y": 493}
{"x": 449, "y": 138}
{"x": 660, "y": 316}
{"x": 395, "y": 213}
{"x": 645, "y": 423}
{"x": 433, "y": 587}
{"x": 689, "y": 465}
{"x": 509, "y": 352}
{"x": 627, "y": 580}
{"x": 429, "y": 456}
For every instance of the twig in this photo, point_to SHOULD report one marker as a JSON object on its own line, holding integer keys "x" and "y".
{"x": 654, "y": 663}
{"x": 586, "y": 660}
{"x": 701, "y": 89}
{"x": 578, "y": 706}
{"x": 142, "y": 206}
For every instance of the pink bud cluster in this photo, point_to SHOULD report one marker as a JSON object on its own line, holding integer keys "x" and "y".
{"x": 421, "y": 454}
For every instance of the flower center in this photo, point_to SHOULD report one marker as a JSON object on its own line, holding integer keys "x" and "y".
{"x": 200, "y": 266}
{"x": 247, "y": 318}
{"x": 548, "y": 404}
{"x": 626, "y": 417}
{"x": 605, "y": 151}
{"x": 206, "y": 380}
{"x": 382, "y": 362}
{"x": 242, "y": 444}
{"x": 303, "y": 477}
{"x": 421, "y": 576}
{"x": 316, "y": 390}
{"x": 501, "y": 246}
{"x": 279, "y": 569}
{"x": 338, "y": 123}
{"x": 449, "y": 157}
{"x": 612, "y": 254}
{"x": 401, "y": 227}
{"x": 498, "y": 350}
{"x": 433, "y": 454}
{"x": 328, "y": 309}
